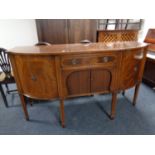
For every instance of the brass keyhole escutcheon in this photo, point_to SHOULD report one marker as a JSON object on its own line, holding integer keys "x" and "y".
{"x": 33, "y": 78}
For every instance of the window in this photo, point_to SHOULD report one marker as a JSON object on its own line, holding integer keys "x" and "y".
{"x": 119, "y": 24}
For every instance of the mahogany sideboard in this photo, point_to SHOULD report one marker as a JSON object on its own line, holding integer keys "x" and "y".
{"x": 70, "y": 70}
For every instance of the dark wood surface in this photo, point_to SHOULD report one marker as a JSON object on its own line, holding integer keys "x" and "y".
{"x": 61, "y": 31}
{"x": 149, "y": 71}
{"x": 54, "y": 31}
{"x": 82, "y": 29}
{"x": 150, "y": 36}
{"x": 63, "y": 71}
{"x": 68, "y": 49}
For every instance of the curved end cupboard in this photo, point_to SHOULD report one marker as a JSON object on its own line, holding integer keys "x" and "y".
{"x": 71, "y": 70}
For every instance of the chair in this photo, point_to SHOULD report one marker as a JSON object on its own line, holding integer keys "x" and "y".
{"x": 42, "y": 44}
{"x": 6, "y": 75}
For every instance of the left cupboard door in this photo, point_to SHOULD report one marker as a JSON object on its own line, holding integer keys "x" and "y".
{"x": 37, "y": 76}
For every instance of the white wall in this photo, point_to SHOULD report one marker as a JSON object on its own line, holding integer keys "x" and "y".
{"x": 148, "y": 23}
{"x": 17, "y": 32}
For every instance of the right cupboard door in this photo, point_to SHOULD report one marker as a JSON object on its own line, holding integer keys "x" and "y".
{"x": 100, "y": 80}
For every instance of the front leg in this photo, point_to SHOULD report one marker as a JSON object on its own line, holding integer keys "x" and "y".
{"x": 136, "y": 93}
{"x": 23, "y": 102}
{"x": 62, "y": 113}
{"x": 113, "y": 105}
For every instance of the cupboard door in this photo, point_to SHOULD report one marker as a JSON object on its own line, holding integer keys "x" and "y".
{"x": 100, "y": 80}
{"x": 76, "y": 83}
{"x": 132, "y": 67}
{"x": 81, "y": 29}
{"x": 54, "y": 31}
{"x": 37, "y": 75}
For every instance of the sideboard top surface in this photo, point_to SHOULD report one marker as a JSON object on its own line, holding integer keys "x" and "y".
{"x": 77, "y": 48}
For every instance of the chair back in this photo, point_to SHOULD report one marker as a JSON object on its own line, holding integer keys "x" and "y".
{"x": 150, "y": 36}
{"x": 5, "y": 62}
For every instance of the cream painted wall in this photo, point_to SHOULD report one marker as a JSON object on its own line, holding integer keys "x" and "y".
{"x": 17, "y": 32}
{"x": 148, "y": 23}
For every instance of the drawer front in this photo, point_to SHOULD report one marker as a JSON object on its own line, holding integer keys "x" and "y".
{"x": 75, "y": 61}
{"x": 88, "y": 60}
{"x": 103, "y": 60}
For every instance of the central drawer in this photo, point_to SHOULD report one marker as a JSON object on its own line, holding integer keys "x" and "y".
{"x": 88, "y": 60}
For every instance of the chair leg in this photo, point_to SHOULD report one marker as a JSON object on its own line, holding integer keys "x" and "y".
{"x": 3, "y": 96}
{"x": 24, "y": 107}
{"x": 62, "y": 113}
{"x": 123, "y": 93}
{"x": 136, "y": 94}
{"x": 113, "y": 105}
{"x": 7, "y": 88}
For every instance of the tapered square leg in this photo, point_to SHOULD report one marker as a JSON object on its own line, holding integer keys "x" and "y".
{"x": 3, "y": 96}
{"x": 136, "y": 94}
{"x": 24, "y": 107}
{"x": 113, "y": 105}
{"x": 62, "y": 113}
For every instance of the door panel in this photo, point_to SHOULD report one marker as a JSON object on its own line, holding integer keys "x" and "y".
{"x": 100, "y": 80}
{"x": 132, "y": 67}
{"x": 54, "y": 31}
{"x": 76, "y": 82}
{"x": 81, "y": 29}
{"x": 61, "y": 31}
{"x": 37, "y": 76}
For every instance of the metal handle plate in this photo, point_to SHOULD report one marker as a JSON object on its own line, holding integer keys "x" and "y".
{"x": 105, "y": 59}
{"x": 74, "y": 61}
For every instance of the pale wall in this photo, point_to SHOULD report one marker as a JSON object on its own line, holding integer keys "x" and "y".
{"x": 17, "y": 32}
{"x": 149, "y": 23}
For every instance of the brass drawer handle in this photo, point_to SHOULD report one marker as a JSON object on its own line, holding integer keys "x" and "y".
{"x": 105, "y": 59}
{"x": 33, "y": 78}
{"x": 74, "y": 61}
